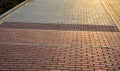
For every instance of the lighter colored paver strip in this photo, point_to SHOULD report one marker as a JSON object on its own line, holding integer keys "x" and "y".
{"x": 113, "y": 6}
{"x": 64, "y": 12}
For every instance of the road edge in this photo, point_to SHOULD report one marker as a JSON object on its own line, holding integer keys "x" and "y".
{"x": 4, "y": 15}
{"x": 116, "y": 23}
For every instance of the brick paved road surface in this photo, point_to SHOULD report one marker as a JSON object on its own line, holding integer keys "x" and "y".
{"x": 64, "y": 12}
{"x": 59, "y": 50}
{"x": 60, "y": 35}
{"x": 54, "y": 58}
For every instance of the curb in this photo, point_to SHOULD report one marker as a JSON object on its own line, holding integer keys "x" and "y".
{"x": 13, "y": 9}
{"x": 116, "y": 23}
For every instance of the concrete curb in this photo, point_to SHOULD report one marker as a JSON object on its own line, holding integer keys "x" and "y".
{"x": 12, "y": 10}
{"x": 116, "y": 23}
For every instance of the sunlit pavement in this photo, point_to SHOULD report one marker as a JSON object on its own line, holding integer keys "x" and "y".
{"x": 60, "y": 35}
{"x": 114, "y": 9}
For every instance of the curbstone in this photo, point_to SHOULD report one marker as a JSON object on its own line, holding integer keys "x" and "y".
{"x": 12, "y": 10}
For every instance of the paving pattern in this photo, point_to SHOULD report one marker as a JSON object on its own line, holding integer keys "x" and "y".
{"x": 60, "y": 35}
{"x": 64, "y": 12}
{"x": 59, "y": 50}
{"x": 53, "y": 58}
{"x": 56, "y": 37}
{"x": 51, "y": 26}
{"x": 114, "y": 8}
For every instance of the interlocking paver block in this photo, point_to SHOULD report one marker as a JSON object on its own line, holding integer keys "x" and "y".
{"x": 53, "y": 58}
{"x": 64, "y": 12}
{"x": 114, "y": 8}
{"x": 60, "y": 38}
{"x": 60, "y": 35}
{"x": 73, "y": 27}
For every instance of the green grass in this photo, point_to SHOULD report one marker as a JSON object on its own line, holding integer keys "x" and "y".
{"x": 5, "y": 5}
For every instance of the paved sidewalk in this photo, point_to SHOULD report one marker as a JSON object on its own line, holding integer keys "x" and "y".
{"x": 60, "y": 35}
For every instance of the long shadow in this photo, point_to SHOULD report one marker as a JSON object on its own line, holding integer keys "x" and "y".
{"x": 50, "y": 26}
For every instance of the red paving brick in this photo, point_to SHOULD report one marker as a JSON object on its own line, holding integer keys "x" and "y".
{"x": 54, "y": 58}
{"x": 59, "y": 50}
{"x": 92, "y": 44}
{"x": 60, "y": 38}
